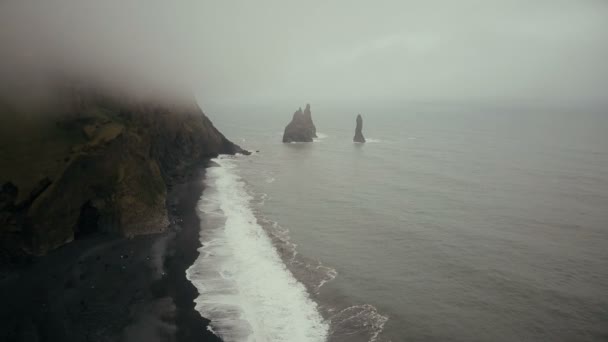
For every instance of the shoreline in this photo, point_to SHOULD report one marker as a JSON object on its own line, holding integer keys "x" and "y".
{"x": 109, "y": 288}
{"x": 182, "y": 200}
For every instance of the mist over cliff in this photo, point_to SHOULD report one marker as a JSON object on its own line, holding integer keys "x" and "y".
{"x": 123, "y": 46}
{"x": 97, "y": 118}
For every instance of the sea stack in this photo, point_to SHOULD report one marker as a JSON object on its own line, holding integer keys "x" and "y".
{"x": 301, "y": 128}
{"x": 308, "y": 120}
{"x": 358, "y": 134}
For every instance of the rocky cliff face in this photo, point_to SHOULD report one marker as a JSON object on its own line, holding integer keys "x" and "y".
{"x": 301, "y": 128}
{"x": 358, "y": 130}
{"x": 95, "y": 163}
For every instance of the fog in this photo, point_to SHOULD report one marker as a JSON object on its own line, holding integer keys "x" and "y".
{"x": 277, "y": 51}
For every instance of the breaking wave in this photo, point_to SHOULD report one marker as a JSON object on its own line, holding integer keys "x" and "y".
{"x": 320, "y": 137}
{"x": 245, "y": 289}
{"x": 252, "y": 283}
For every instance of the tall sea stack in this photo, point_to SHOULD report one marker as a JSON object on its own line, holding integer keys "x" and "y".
{"x": 308, "y": 120}
{"x": 358, "y": 134}
{"x": 301, "y": 128}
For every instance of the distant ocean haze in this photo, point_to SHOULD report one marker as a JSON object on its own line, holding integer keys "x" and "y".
{"x": 448, "y": 224}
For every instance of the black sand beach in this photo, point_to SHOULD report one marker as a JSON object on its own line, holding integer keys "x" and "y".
{"x": 107, "y": 288}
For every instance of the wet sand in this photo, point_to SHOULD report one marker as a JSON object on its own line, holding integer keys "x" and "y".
{"x": 108, "y": 288}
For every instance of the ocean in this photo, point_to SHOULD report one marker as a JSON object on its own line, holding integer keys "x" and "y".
{"x": 452, "y": 223}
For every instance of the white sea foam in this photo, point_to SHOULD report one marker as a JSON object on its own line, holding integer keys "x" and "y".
{"x": 363, "y": 321}
{"x": 245, "y": 288}
{"x": 320, "y": 137}
{"x": 312, "y": 273}
{"x": 372, "y": 140}
{"x": 261, "y": 198}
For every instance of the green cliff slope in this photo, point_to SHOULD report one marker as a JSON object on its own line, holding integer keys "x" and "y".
{"x": 94, "y": 163}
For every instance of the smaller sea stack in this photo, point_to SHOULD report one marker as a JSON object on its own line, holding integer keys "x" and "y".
{"x": 301, "y": 128}
{"x": 358, "y": 134}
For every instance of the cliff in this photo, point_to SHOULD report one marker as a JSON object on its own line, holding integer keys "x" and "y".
{"x": 358, "y": 130}
{"x": 301, "y": 128}
{"x": 92, "y": 162}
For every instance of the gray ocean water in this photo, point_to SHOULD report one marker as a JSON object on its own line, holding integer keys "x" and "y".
{"x": 452, "y": 223}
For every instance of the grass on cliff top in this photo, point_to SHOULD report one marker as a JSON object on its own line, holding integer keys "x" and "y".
{"x": 36, "y": 146}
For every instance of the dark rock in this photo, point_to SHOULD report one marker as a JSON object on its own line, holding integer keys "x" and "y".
{"x": 113, "y": 180}
{"x": 301, "y": 128}
{"x": 88, "y": 221}
{"x": 358, "y": 134}
{"x": 308, "y": 120}
{"x": 38, "y": 189}
{"x": 8, "y": 195}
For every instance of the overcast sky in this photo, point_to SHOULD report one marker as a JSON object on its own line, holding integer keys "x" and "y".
{"x": 323, "y": 51}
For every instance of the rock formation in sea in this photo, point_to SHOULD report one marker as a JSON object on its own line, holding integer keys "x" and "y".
{"x": 102, "y": 164}
{"x": 301, "y": 128}
{"x": 358, "y": 130}
{"x": 308, "y": 120}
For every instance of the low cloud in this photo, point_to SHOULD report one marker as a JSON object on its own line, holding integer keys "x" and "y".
{"x": 338, "y": 51}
